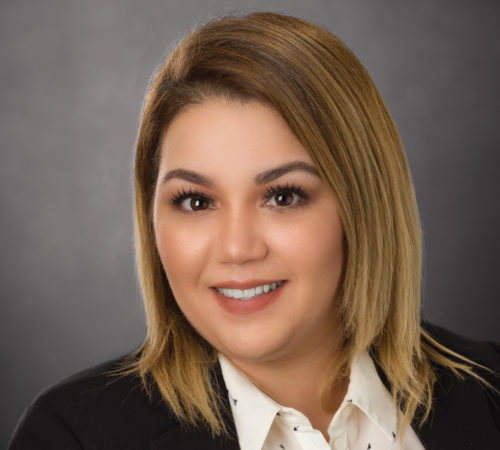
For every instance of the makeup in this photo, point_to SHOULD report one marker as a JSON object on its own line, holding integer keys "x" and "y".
{"x": 237, "y": 299}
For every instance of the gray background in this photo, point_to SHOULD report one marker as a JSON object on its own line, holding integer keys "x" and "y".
{"x": 73, "y": 76}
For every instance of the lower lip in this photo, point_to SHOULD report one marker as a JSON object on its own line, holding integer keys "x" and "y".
{"x": 253, "y": 305}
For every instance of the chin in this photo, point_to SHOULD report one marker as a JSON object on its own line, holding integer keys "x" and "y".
{"x": 248, "y": 349}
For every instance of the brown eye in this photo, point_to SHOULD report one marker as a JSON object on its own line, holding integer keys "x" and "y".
{"x": 195, "y": 203}
{"x": 189, "y": 201}
{"x": 284, "y": 198}
{"x": 198, "y": 203}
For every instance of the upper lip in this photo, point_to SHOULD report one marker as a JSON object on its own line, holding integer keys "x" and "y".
{"x": 244, "y": 284}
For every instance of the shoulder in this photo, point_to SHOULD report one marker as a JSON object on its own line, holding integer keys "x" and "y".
{"x": 465, "y": 413}
{"x": 93, "y": 409}
{"x": 486, "y": 353}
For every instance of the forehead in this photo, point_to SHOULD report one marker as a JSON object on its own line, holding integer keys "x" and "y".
{"x": 229, "y": 134}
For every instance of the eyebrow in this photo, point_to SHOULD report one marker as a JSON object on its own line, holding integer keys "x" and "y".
{"x": 273, "y": 174}
{"x": 187, "y": 175}
{"x": 261, "y": 178}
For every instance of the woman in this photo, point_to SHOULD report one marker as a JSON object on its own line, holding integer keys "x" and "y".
{"x": 278, "y": 246}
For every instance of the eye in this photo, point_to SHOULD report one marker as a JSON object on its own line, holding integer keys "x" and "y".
{"x": 195, "y": 203}
{"x": 191, "y": 201}
{"x": 285, "y": 196}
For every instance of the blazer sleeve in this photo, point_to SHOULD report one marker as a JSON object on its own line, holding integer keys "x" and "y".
{"x": 42, "y": 429}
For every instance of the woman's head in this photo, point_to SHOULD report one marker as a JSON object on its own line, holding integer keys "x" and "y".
{"x": 248, "y": 233}
{"x": 322, "y": 93}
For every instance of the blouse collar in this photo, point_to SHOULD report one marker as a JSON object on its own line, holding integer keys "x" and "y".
{"x": 366, "y": 391}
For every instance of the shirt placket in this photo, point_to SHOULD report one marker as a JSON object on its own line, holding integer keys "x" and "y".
{"x": 338, "y": 429}
{"x": 306, "y": 436}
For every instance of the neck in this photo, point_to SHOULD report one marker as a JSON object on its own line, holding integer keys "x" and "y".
{"x": 297, "y": 383}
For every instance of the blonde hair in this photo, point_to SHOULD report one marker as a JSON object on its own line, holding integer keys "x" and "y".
{"x": 331, "y": 105}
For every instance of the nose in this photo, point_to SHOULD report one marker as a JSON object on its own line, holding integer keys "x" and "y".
{"x": 241, "y": 237}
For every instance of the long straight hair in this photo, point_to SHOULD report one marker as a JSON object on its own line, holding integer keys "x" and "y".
{"x": 331, "y": 105}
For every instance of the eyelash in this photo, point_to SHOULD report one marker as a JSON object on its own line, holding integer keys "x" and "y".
{"x": 287, "y": 188}
{"x": 183, "y": 194}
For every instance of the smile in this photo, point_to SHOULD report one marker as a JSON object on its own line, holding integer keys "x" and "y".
{"x": 248, "y": 294}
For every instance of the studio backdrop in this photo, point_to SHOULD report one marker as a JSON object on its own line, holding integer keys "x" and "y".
{"x": 73, "y": 77}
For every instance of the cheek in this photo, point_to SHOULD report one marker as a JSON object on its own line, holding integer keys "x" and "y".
{"x": 183, "y": 251}
{"x": 312, "y": 246}
{"x": 327, "y": 248}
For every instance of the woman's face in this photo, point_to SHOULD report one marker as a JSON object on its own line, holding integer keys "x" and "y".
{"x": 249, "y": 235}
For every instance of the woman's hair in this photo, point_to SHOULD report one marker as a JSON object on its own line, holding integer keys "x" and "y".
{"x": 330, "y": 103}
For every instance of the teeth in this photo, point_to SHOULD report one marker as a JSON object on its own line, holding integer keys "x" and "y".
{"x": 248, "y": 294}
{"x": 235, "y": 293}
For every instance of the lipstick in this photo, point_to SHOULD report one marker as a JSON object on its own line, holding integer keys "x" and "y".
{"x": 247, "y": 297}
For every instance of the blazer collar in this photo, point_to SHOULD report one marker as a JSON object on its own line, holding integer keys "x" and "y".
{"x": 460, "y": 418}
{"x": 184, "y": 438}
{"x": 180, "y": 439}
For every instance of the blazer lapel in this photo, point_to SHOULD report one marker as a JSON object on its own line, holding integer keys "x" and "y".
{"x": 179, "y": 437}
{"x": 461, "y": 416}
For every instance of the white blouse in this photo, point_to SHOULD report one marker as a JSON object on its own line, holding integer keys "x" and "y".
{"x": 366, "y": 419}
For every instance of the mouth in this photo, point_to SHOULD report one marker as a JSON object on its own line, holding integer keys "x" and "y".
{"x": 250, "y": 293}
{"x": 244, "y": 299}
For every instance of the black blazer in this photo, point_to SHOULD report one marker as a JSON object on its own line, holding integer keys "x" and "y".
{"x": 95, "y": 411}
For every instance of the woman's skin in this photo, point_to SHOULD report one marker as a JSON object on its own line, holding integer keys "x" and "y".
{"x": 239, "y": 204}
